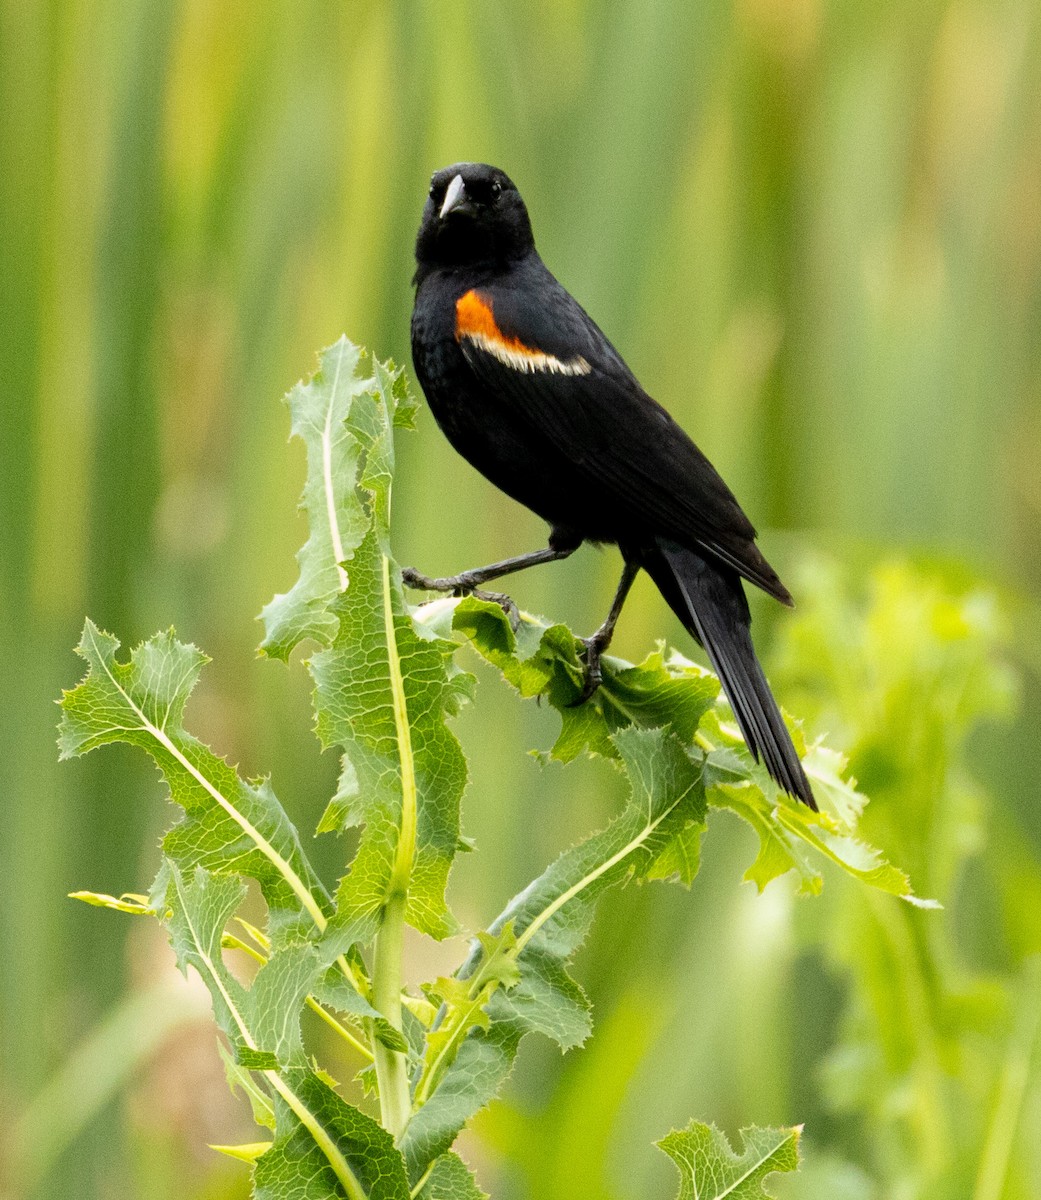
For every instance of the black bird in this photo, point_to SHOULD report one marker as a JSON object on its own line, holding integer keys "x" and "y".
{"x": 529, "y": 390}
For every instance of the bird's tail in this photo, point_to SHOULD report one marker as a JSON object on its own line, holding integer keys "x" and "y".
{"x": 710, "y": 601}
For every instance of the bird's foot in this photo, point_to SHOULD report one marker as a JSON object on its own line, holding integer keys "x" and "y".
{"x": 463, "y": 584}
{"x": 506, "y": 603}
{"x": 594, "y": 647}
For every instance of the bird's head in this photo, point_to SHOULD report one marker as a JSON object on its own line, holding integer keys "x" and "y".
{"x": 474, "y": 215}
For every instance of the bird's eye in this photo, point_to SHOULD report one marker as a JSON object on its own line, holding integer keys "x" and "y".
{"x": 496, "y": 190}
{"x": 433, "y": 189}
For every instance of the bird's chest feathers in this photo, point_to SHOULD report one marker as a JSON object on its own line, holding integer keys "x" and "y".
{"x": 477, "y": 330}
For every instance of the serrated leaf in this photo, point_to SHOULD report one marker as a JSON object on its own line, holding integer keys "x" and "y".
{"x": 240, "y": 1079}
{"x": 263, "y": 1021}
{"x": 669, "y": 690}
{"x": 299, "y": 1167}
{"x": 276, "y": 999}
{"x": 462, "y": 1001}
{"x": 383, "y": 694}
{"x": 791, "y": 836}
{"x": 336, "y": 519}
{"x": 479, "y": 1070}
{"x": 543, "y": 660}
{"x": 334, "y": 991}
{"x": 320, "y": 1141}
{"x": 666, "y": 794}
{"x": 710, "y": 1169}
{"x": 384, "y": 690}
{"x": 229, "y": 825}
{"x": 450, "y": 1179}
{"x": 547, "y": 922}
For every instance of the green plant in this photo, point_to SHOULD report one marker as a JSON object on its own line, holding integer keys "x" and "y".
{"x": 386, "y": 684}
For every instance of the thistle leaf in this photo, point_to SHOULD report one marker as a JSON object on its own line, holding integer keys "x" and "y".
{"x": 323, "y": 1147}
{"x": 229, "y": 825}
{"x": 337, "y": 521}
{"x": 539, "y": 931}
{"x": 384, "y": 689}
{"x": 710, "y": 1170}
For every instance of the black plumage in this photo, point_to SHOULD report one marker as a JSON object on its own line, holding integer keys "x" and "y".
{"x": 530, "y": 391}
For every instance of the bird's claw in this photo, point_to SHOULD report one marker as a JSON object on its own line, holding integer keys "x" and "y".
{"x": 594, "y": 677}
{"x": 506, "y": 603}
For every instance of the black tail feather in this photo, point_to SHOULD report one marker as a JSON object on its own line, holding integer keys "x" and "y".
{"x": 710, "y": 601}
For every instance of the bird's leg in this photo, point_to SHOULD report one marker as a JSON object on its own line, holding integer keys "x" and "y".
{"x": 598, "y": 642}
{"x": 468, "y": 583}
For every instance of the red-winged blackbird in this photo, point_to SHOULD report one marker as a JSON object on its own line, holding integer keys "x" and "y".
{"x": 528, "y": 390}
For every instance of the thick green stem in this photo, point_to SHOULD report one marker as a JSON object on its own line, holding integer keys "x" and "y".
{"x": 391, "y": 1071}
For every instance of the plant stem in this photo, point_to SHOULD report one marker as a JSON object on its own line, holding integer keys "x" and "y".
{"x": 338, "y": 1027}
{"x": 996, "y": 1156}
{"x": 391, "y": 1074}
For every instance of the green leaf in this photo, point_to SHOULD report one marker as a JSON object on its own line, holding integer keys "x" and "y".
{"x": 336, "y": 518}
{"x": 791, "y": 836}
{"x": 383, "y": 691}
{"x": 465, "y": 999}
{"x": 239, "y": 1079}
{"x": 666, "y": 795}
{"x": 256, "y": 1060}
{"x": 276, "y": 999}
{"x": 247, "y": 1152}
{"x": 383, "y": 694}
{"x": 450, "y": 1179}
{"x": 336, "y": 992}
{"x": 481, "y": 1066}
{"x": 467, "y": 1059}
{"x": 670, "y": 691}
{"x": 710, "y": 1170}
{"x": 551, "y": 916}
{"x": 297, "y": 1167}
{"x": 229, "y": 825}
{"x": 543, "y": 660}
{"x": 320, "y": 1141}
{"x": 129, "y": 902}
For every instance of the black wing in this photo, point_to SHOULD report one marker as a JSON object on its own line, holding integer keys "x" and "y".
{"x": 565, "y": 380}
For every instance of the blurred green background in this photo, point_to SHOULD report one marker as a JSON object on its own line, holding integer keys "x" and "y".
{"x": 814, "y": 230}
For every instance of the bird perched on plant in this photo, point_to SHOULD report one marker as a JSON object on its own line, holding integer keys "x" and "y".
{"x": 529, "y": 390}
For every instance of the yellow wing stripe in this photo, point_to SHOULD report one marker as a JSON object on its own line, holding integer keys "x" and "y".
{"x": 475, "y": 322}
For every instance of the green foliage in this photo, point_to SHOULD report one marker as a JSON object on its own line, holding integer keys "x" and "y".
{"x": 813, "y": 229}
{"x": 671, "y": 692}
{"x": 710, "y": 1170}
{"x": 229, "y": 824}
{"x": 449, "y": 1179}
{"x": 906, "y": 669}
{"x": 386, "y": 684}
{"x": 335, "y": 513}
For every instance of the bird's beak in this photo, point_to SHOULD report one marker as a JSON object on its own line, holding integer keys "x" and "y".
{"x": 454, "y": 196}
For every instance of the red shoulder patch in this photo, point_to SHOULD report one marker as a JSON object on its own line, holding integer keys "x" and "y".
{"x": 475, "y": 322}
